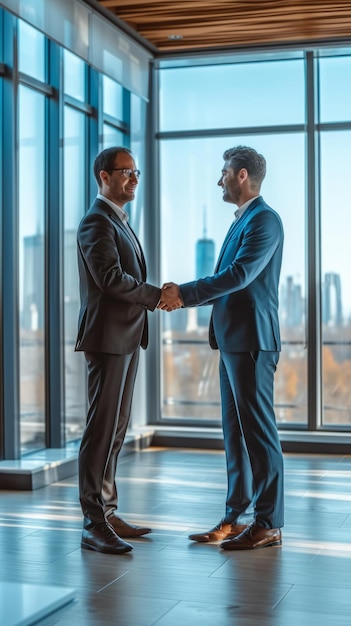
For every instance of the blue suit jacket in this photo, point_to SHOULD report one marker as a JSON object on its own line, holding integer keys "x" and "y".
{"x": 244, "y": 287}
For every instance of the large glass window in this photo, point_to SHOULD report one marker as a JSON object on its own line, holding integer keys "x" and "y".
{"x": 112, "y": 95}
{"x": 334, "y": 77}
{"x": 74, "y": 76}
{"x": 31, "y": 56}
{"x": 220, "y": 96}
{"x": 138, "y": 111}
{"x": 112, "y": 136}
{"x": 74, "y": 206}
{"x": 31, "y": 186}
{"x": 334, "y": 80}
{"x": 74, "y": 196}
{"x": 204, "y": 106}
{"x": 59, "y": 112}
{"x": 336, "y": 270}
{"x": 112, "y": 99}
{"x": 195, "y": 219}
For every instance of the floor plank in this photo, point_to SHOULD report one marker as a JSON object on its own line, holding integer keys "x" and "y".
{"x": 168, "y": 580}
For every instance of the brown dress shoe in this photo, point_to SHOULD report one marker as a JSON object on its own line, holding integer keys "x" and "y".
{"x": 254, "y": 537}
{"x": 219, "y": 532}
{"x": 123, "y": 529}
{"x": 102, "y": 538}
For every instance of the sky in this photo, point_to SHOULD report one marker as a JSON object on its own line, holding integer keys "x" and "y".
{"x": 261, "y": 94}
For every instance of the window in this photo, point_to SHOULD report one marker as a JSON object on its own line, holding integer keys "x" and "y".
{"x": 234, "y": 96}
{"x": 74, "y": 76}
{"x": 74, "y": 207}
{"x": 55, "y": 109}
{"x": 335, "y": 78}
{"x": 31, "y": 55}
{"x": 114, "y": 132}
{"x": 336, "y": 268}
{"x": 194, "y": 217}
{"x": 74, "y": 200}
{"x": 31, "y": 186}
{"x": 112, "y": 98}
{"x": 112, "y": 136}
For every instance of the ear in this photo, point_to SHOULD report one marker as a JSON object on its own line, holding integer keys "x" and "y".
{"x": 104, "y": 177}
{"x": 243, "y": 175}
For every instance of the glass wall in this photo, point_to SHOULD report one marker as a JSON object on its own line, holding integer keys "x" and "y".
{"x": 32, "y": 267}
{"x": 195, "y": 218}
{"x": 202, "y": 112}
{"x": 31, "y": 51}
{"x": 264, "y": 93}
{"x": 335, "y": 120}
{"x": 59, "y": 114}
{"x": 75, "y": 201}
{"x": 112, "y": 99}
{"x": 31, "y": 244}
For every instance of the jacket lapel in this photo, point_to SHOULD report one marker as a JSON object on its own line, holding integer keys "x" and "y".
{"x": 234, "y": 226}
{"x": 126, "y": 229}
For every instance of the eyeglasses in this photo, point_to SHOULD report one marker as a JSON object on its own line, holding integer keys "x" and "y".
{"x": 126, "y": 172}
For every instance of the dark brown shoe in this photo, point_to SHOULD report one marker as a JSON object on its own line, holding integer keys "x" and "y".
{"x": 102, "y": 538}
{"x": 219, "y": 532}
{"x": 254, "y": 537}
{"x": 123, "y": 529}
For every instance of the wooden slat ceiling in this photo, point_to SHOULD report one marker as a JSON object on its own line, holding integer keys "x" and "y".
{"x": 198, "y": 25}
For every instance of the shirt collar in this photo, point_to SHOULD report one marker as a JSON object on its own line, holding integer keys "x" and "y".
{"x": 241, "y": 209}
{"x": 120, "y": 212}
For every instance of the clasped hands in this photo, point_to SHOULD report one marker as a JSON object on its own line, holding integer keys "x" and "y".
{"x": 170, "y": 297}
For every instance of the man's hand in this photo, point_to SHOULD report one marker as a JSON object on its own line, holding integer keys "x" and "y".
{"x": 170, "y": 297}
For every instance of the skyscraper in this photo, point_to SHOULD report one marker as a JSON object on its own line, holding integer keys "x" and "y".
{"x": 292, "y": 304}
{"x": 33, "y": 287}
{"x": 332, "y": 300}
{"x": 205, "y": 260}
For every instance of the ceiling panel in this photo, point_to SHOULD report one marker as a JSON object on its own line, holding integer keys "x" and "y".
{"x": 197, "y": 25}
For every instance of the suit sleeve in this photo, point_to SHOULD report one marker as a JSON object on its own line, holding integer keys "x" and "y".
{"x": 261, "y": 237}
{"x": 99, "y": 251}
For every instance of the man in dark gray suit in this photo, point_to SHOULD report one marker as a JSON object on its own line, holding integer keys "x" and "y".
{"x": 245, "y": 328}
{"x": 112, "y": 327}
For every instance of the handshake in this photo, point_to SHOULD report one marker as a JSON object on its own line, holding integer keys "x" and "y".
{"x": 171, "y": 298}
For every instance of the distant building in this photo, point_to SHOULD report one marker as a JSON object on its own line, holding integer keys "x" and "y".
{"x": 71, "y": 284}
{"x": 33, "y": 283}
{"x": 332, "y": 300}
{"x": 33, "y": 312}
{"x": 205, "y": 260}
{"x": 292, "y": 303}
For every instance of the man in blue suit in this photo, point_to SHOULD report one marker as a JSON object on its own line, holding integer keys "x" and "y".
{"x": 244, "y": 327}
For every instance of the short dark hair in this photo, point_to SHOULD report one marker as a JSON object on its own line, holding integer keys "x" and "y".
{"x": 244, "y": 157}
{"x": 106, "y": 160}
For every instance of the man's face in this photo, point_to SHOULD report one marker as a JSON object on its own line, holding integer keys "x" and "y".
{"x": 116, "y": 185}
{"x": 230, "y": 183}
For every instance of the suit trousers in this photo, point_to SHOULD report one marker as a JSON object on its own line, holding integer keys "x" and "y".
{"x": 111, "y": 379}
{"x": 253, "y": 452}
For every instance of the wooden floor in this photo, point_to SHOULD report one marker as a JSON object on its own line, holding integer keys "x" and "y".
{"x": 168, "y": 580}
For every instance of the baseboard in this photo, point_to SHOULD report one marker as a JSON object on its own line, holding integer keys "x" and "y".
{"x": 44, "y": 467}
{"x": 47, "y": 466}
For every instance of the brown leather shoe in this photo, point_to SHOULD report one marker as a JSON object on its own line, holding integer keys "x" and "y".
{"x": 102, "y": 538}
{"x": 123, "y": 529}
{"x": 254, "y": 537}
{"x": 219, "y": 532}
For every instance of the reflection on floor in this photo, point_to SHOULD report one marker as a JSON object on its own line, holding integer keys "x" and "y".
{"x": 169, "y": 581}
{"x": 22, "y": 604}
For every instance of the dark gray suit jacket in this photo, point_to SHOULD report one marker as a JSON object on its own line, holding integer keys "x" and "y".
{"x": 113, "y": 292}
{"x": 244, "y": 287}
